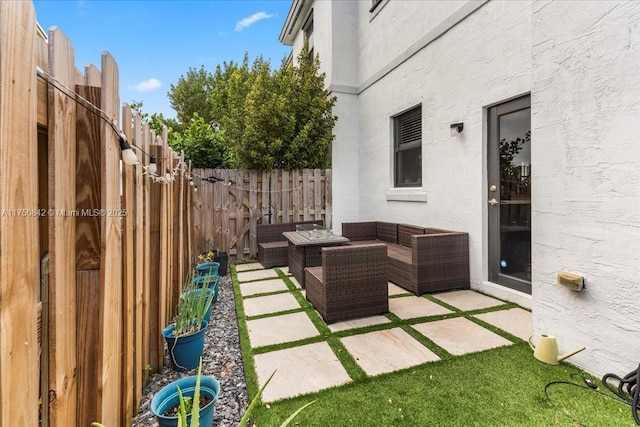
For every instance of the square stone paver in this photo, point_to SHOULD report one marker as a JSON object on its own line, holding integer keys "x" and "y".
{"x": 358, "y": 323}
{"x": 247, "y": 276}
{"x": 295, "y": 282}
{"x": 285, "y": 270}
{"x": 386, "y": 351}
{"x": 396, "y": 290}
{"x": 413, "y": 306}
{"x": 299, "y": 370}
{"x": 279, "y": 329}
{"x": 270, "y": 304}
{"x": 516, "y": 321}
{"x": 262, "y": 287}
{"x": 249, "y": 266}
{"x": 467, "y": 300}
{"x": 460, "y": 336}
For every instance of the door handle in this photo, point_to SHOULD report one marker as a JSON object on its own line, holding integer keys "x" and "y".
{"x": 493, "y": 202}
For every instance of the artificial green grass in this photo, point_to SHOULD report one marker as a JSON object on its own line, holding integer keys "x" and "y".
{"x": 498, "y": 387}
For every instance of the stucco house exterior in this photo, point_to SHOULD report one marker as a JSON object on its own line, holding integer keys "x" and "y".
{"x": 515, "y": 121}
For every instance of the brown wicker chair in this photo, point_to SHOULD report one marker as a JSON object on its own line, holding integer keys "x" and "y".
{"x": 351, "y": 283}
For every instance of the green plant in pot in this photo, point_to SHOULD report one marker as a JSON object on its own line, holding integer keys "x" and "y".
{"x": 185, "y": 336}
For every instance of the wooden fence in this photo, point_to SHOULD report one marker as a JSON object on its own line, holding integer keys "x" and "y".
{"x": 92, "y": 251}
{"x": 230, "y": 203}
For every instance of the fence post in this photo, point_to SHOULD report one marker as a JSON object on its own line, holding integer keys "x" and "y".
{"x": 18, "y": 234}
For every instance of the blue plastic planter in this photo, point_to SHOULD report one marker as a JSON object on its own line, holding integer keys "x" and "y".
{"x": 211, "y": 279}
{"x": 185, "y": 351}
{"x": 168, "y": 397}
{"x": 208, "y": 268}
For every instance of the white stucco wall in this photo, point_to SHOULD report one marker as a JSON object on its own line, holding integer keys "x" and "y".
{"x": 586, "y": 196}
{"x": 482, "y": 60}
{"x": 581, "y": 63}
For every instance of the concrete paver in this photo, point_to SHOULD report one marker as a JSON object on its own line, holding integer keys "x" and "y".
{"x": 516, "y": 321}
{"x": 270, "y": 304}
{"x": 262, "y": 287}
{"x": 299, "y": 370}
{"x": 358, "y": 323}
{"x": 280, "y": 329}
{"x": 460, "y": 336}
{"x": 386, "y": 351}
{"x": 467, "y": 300}
{"x": 412, "y": 306}
{"x": 246, "y": 276}
{"x": 396, "y": 290}
{"x": 249, "y": 266}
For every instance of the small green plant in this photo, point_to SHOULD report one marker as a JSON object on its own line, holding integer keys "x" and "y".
{"x": 192, "y": 306}
{"x": 207, "y": 256}
{"x": 256, "y": 399}
{"x": 190, "y": 405}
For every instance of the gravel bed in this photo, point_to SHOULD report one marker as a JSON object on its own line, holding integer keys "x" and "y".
{"x": 221, "y": 358}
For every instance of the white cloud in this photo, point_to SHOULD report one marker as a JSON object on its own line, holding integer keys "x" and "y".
{"x": 250, "y": 20}
{"x": 147, "y": 85}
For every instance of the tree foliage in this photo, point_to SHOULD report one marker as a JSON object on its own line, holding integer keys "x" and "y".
{"x": 191, "y": 94}
{"x": 201, "y": 144}
{"x": 251, "y": 117}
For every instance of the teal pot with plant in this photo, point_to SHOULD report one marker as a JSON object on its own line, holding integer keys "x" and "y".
{"x": 210, "y": 282}
{"x": 184, "y": 350}
{"x": 167, "y": 402}
{"x": 207, "y": 268}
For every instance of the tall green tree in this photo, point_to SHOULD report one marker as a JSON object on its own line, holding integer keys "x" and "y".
{"x": 286, "y": 120}
{"x": 191, "y": 94}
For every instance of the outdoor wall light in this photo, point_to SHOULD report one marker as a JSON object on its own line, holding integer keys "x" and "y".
{"x": 152, "y": 167}
{"x": 456, "y": 128}
{"x": 128, "y": 156}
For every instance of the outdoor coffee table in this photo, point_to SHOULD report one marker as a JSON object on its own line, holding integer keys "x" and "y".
{"x": 305, "y": 247}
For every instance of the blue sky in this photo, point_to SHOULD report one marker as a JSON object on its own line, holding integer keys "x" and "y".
{"x": 155, "y": 42}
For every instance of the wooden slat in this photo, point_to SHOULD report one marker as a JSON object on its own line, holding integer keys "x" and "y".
{"x": 62, "y": 232}
{"x": 129, "y": 262}
{"x": 88, "y": 252}
{"x": 147, "y": 326}
{"x": 240, "y": 230}
{"x": 254, "y": 213}
{"x": 328, "y": 211}
{"x": 284, "y": 195}
{"x": 140, "y": 255}
{"x": 18, "y": 234}
{"x": 111, "y": 268}
{"x": 317, "y": 194}
{"x": 156, "y": 350}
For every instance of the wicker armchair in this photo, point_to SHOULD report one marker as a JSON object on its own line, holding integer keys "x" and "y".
{"x": 351, "y": 283}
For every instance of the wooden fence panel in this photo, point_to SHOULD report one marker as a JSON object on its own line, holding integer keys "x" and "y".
{"x": 236, "y": 201}
{"x": 62, "y": 233}
{"x": 111, "y": 274}
{"x": 18, "y": 234}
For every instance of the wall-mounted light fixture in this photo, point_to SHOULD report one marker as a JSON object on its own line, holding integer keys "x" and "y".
{"x": 128, "y": 156}
{"x": 456, "y": 128}
{"x": 152, "y": 167}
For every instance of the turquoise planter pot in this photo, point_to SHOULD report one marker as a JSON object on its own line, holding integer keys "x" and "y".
{"x": 208, "y": 268}
{"x": 185, "y": 351}
{"x": 211, "y": 279}
{"x": 168, "y": 397}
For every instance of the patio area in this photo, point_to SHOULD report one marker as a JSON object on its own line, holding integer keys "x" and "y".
{"x": 287, "y": 336}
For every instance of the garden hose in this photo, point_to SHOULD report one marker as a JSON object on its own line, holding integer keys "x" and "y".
{"x": 627, "y": 392}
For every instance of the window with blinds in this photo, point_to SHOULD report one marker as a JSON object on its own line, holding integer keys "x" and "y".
{"x": 408, "y": 148}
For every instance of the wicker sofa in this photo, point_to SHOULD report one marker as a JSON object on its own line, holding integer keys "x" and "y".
{"x": 351, "y": 283}
{"x": 421, "y": 259}
{"x": 272, "y": 246}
